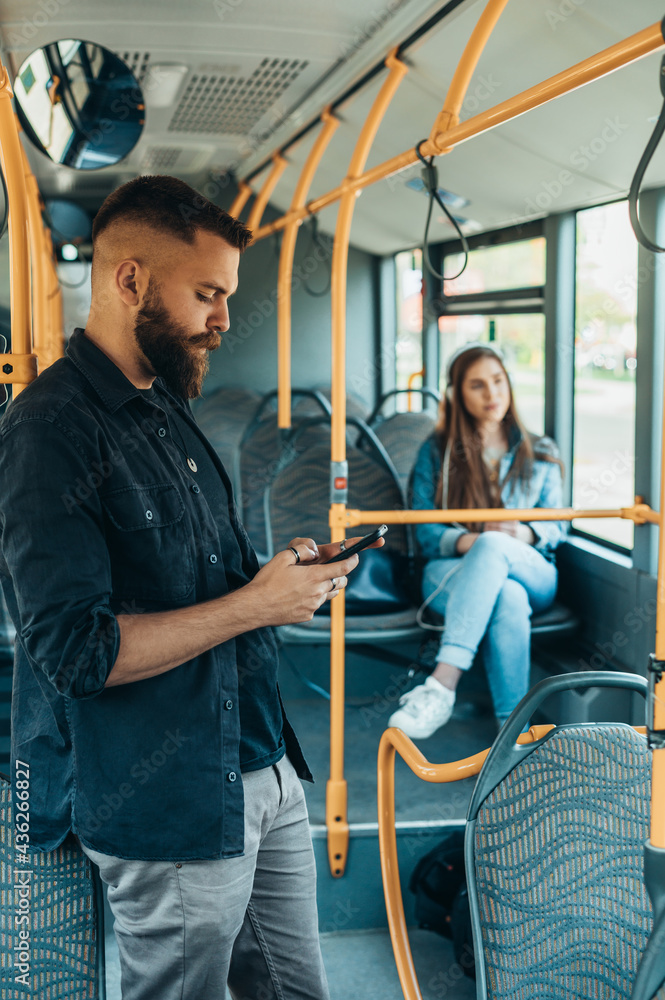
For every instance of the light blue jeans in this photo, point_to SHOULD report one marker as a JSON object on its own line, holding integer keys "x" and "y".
{"x": 487, "y": 602}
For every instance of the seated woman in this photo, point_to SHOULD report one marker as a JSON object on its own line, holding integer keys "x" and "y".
{"x": 485, "y": 579}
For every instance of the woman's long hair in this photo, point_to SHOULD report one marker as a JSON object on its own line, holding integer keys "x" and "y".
{"x": 456, "y": 433}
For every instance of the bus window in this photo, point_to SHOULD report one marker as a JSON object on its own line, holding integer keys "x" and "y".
{"x": 605, "y": 363}
{"x": 408, "y": 341}
{"x": 476, "y": 306}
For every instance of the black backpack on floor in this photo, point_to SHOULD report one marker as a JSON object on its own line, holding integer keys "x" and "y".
{"x": 442, "y": 905}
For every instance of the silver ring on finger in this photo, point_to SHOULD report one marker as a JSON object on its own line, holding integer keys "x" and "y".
{"x": 334, "y": 584}
{"x": 342, "y": 545}
{"x": 296, "y": 554}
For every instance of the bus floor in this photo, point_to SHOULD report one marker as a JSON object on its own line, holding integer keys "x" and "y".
{"x": 359, "y": 963}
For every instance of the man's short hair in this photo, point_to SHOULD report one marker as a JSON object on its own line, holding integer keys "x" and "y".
{"x": 170, "y": 206}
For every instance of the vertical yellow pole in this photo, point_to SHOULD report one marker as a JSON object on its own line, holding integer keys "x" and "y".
{"x": 657, "y": 836}
{"x": 40, "y": 312}
{"x": 19, "y": 255}
{"x": 240, "y": 200}
{"x": 330, "y": 124}
{"x": 47, "y": 325}
{"x": 336, "y": 791}
{"x": 263, "y": 197}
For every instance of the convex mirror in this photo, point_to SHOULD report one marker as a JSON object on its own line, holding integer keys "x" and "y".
{"x": 79, "y": 104}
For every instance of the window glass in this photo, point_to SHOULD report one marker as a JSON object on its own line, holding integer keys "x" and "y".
{"x": 512, "y": 265}
{"x": 521, "y": 338}
{"x": 605, "y": 363}
{"x": 408, "y": 343}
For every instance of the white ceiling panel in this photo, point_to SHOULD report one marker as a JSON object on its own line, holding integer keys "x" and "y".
{"x": 577, "y": 150}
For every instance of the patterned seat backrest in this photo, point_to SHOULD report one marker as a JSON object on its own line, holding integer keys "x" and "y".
{"x": 299, "y": 498}
{"x": 223, "y": 417}
{"x": 60, "y": 895}
{"x": 402, "y": 435}
{"x": 558, "y": 858}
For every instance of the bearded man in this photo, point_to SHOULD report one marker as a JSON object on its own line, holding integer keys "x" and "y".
{"x": 145, "y": 700}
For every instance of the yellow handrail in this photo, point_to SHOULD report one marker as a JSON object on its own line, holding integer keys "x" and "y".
{"x": 285, "y": 274}
{"x": 241, "y": 199}
{"x": 279, "y": 165}
{"x": 412, "y": 378}
{"x": 392, "y": 741}
{"x": 21, "y": 362}
{"x": 47, "y": 321}
{"x": 448, "y": 117}
{"x": 336, "y": 792}
{"x": 657, "y": 832}
{"x": 350, "y": 517}
{"x": 594, "y": 68}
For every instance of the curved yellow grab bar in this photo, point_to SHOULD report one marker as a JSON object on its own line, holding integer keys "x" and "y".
{"x": 279, "y": 165}
{"x": 594, "y": 68}
{"x": 285, "y": 274}
{"x": 392, "y": 741}
{"x": 448, "y": 117}
{"x": 241, "y": 199}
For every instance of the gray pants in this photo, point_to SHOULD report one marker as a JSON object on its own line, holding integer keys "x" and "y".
{"x": 185, "y": 930}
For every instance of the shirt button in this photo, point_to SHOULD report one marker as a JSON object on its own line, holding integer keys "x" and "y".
{"x": 178, "y": 864}
{"x": 213, "y": 558}
{"x": 228, "y": 705}
{"x": 232, "y": 776}
{"x": 162, "y": 432}
{"x": 196, "y": 489}
{"x": 148, "y": 515}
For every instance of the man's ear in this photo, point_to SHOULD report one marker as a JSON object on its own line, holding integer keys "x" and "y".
{"x": 131, "y": 281}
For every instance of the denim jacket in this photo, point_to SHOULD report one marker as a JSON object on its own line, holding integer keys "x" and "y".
{"x": 542, "y": 489}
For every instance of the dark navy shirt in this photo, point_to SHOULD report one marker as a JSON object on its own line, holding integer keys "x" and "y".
{"x": 100, "y": 515}
{"x": 261, "y": 742}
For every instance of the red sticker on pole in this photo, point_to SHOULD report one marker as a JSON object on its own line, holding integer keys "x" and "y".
{"x": 340, "y": 482}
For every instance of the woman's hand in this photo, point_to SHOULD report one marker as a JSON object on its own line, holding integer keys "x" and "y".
{"x": 522, "y": 532}
{"x": 465, "y": 541}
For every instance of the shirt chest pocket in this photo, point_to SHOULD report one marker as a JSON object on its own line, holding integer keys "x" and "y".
{"x": 148, "y": 543}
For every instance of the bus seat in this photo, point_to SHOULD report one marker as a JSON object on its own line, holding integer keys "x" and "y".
{"x": 355, "y": 407}
{"x": 66, "y": 913}
{"x": 554, "y": 855}
{"x": 261, "y": 450}
{"x": 402, "y": 435}
{"x": 223, "y": 417}
{"x": 297, "y": 503}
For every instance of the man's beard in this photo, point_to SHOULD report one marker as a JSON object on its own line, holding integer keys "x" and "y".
{"x": 171, "y": 352}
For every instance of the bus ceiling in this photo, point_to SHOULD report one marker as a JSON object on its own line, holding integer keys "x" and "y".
{"x": 228, "y": 85}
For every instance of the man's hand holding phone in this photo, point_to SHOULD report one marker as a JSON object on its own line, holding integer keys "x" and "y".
{"x": 290, "y": 595}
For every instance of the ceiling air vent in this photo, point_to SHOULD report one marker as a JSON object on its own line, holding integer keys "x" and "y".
{"x": 160, "y": 158}
{"x": 223, "y": 103}
{"x": 138, "y": 62}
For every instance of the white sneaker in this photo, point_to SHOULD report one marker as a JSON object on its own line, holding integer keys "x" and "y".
{"x": 424, "y": 709}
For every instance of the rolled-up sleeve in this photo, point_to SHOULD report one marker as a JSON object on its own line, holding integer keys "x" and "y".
{"x": 54, "y": 551}
{"x": 434, "y": 540}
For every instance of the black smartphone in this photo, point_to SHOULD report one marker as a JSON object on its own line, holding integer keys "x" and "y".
{"x": 358, "y": 546}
